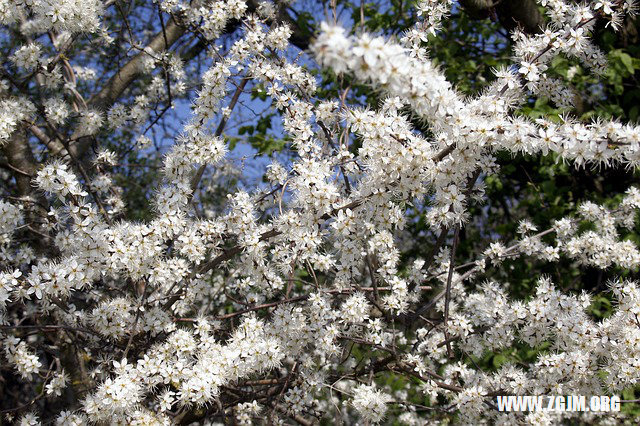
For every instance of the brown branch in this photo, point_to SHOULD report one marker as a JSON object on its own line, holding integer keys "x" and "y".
{"x": 219, "y": 130}
{"x": 20, "y": 157}
{"x": 512, "y": 14}
{"x": 117, "y": 84}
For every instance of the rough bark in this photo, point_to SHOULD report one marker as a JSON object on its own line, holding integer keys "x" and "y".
{"x": 520, "y": 13}
{"x": 21, "y": 159}
{"x": 24, "y": 165}
{"x": 512, "y": 14}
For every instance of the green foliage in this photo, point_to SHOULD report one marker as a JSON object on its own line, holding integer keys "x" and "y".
{"x": 258, "y": 137}
{"x": 259, "y": 92}
{"x": 469, "y": 50}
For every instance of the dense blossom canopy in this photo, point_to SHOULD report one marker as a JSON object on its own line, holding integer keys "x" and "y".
{"x": 291, "y": 299}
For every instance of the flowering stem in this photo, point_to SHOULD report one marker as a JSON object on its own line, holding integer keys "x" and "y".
{"x": 447, "y": 294}
{"x": 218, "y": 132}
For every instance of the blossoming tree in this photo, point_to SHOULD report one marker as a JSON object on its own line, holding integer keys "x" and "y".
{"x": 299, "y": 298}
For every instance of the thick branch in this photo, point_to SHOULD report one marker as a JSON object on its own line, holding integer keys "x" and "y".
{"x": 114, "y": 88}
{"x": 20, "y": 157}
{"x": 128, "y": 73}
{"x": 512, "y": 14}
{"x": 21, "y": 160}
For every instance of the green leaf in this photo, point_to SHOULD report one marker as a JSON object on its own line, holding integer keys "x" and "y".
{"x": 233, "y": 142}
{"x": 264, "y": 123}
{"x": 267, "y": 144}
{"x": 498, "y": 360}
{"x": 622, "y": 62}
{"x": 627, "y": 61}
{"x": 259, "y": 92}
{"x": 246, "y": 129}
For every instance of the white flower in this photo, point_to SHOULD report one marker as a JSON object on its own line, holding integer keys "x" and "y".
{"x": 27, "y": 56}
{"x": 529, "y": 71}
{"x": 355, "y": 309}
{"x": 370, "y": 403}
